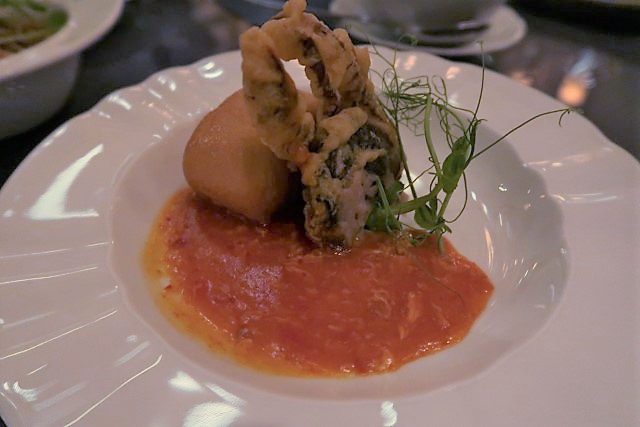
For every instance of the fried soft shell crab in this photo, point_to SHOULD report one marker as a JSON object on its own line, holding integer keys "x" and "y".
{"x": 339, "y": 139}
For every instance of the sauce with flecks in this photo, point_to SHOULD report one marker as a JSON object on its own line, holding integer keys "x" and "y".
{"x": 270, "y": 299}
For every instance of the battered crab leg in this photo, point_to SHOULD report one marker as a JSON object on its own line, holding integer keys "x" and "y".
{"x": 338, "y": 71}
{"x": 271, "y": 95}
{"x": 348, "y": 143}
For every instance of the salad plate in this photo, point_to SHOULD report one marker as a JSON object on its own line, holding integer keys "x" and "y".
{"x": 553, "y": 219}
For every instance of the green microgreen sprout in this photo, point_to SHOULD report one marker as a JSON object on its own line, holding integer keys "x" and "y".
{"x": 410, "y": 102}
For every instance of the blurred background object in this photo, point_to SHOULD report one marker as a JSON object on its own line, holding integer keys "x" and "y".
{"x": 610, "y": 15}
{"x": 503, "y": 28}
{"x": 428, "y": 23}
{"x": 257, "y": 12}
{"x": 578, "y": 63}
{"x": 40, "y": 49}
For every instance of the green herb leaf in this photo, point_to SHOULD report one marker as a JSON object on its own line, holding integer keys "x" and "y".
{"x": 381, "y": 217}
{"x": 426, "y": 217}
{"x": 393, "y": 192}
{"x": 56, "y": 20}
{"x": 454, "y": 164}
{"x": 410, "y": 102}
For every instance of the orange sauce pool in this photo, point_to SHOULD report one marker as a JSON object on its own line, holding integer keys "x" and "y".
{"x": 271, "y": 300}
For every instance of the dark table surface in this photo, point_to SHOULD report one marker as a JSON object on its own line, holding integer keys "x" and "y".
{"x": 593, "y": 65}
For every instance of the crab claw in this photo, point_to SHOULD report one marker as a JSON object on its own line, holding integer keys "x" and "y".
{"x": 348, "y": 143}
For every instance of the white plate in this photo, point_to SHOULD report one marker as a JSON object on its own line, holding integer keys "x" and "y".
{"x": 506, "y": 28}
{"x": 554, "y": 219}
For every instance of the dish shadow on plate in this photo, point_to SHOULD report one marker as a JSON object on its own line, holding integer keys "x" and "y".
{"x": 511, "y": 228}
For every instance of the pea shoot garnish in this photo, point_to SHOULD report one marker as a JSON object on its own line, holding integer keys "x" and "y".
{"x": 410, "y": 102}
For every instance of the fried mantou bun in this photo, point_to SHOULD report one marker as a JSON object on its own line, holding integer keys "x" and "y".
{"x": 225, "y": 162}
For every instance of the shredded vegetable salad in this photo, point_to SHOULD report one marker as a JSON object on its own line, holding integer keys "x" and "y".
{"x": 23, "y": 23}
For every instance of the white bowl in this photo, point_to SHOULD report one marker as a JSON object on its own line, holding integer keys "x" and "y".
{"x": 35, "y": 83}
{"x": 432, "y": 14}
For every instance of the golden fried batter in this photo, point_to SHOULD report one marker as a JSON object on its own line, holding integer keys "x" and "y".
{"x": 347, "y": 143}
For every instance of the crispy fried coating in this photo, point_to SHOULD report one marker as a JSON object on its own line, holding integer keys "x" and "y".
{"x": 346, "y": 144}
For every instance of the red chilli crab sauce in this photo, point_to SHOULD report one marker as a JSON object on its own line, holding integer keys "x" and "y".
{"x": 268, "y": 298}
